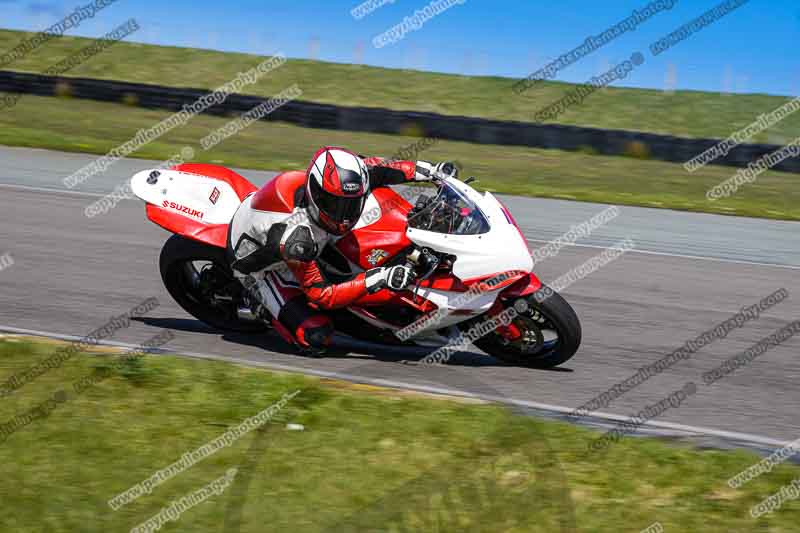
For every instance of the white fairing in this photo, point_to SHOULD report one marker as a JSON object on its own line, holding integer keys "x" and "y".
{"x": 501, "y": 249}
{"x": 451, "y": 301}
{"x": 196, "y": 197}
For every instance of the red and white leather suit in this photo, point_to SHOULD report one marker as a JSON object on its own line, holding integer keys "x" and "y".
{"x": 272, "y": 231}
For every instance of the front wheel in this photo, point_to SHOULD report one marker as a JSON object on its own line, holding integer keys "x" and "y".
{"x": 547, "y": 334}
{"x": 199, "y": 279}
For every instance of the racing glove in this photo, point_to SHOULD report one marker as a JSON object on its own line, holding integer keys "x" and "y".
{"x": 395, "y": 278}
{"x": 426, "y": 171}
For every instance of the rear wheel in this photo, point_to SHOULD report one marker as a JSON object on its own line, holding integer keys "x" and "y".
{"x": 550, "y": 333}
{"x": 200, "y": 280}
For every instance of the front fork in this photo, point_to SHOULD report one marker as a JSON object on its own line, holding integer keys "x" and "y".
{"x": 522, "y": 288}
{"x": 509, "y": 332}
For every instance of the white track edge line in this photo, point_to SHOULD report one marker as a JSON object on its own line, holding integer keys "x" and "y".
{"x": 682, "y": 256}
{"x": 697, "y": 430}
{"x": 50, "y": 189}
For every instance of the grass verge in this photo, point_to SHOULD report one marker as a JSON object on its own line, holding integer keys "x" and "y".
{"x": 367, "y": 460}
{"x": 96, "y": 127}
{"x": 683, "y": 113}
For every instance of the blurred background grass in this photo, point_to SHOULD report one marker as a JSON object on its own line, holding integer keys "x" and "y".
{"x": 97, "y": 127}
{"x": 682, "y": 113}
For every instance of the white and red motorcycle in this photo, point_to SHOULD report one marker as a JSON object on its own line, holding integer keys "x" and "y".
{"x": 471, "y": 260}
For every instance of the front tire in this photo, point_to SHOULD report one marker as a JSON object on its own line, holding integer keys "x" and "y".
{"x": 549, "y": 313}
{"x": 199, "y": 279}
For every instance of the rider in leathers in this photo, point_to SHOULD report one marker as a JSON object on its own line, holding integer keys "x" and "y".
{"x": 337, "y": 185}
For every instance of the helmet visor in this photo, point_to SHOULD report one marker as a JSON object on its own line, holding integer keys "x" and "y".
{"x": 344, "y": 211}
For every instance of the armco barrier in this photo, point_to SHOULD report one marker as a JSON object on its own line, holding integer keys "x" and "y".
{"x": 377, "y": 120}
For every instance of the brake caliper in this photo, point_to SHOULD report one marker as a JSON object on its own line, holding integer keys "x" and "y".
{"x": 510, "y": 332}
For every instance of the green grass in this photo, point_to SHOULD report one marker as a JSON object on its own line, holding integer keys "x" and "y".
{"x": 684, "y": 113}
{"x": 95, "y": 127}
{"x": 367, "y": 458}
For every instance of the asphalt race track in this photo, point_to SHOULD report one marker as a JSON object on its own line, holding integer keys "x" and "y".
{"x": 689, "y": 273}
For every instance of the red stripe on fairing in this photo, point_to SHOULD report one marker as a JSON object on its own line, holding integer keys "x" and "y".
{"x": 524, "y": 286}
{"x": 512, "y": 276}
{"x": 213, "y": 234}
{"x": 330, "y": 176}
{"x": 444, "y": 282}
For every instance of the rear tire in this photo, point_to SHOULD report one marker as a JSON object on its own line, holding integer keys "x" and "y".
{"x": 209, "y": 293}
{"x": 550, "y": 309}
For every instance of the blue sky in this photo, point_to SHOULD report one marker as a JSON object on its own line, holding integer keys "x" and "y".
{"x": 751, "y": 50}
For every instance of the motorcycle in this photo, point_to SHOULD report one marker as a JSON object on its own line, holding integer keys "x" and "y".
{"x": 470, "y": 258}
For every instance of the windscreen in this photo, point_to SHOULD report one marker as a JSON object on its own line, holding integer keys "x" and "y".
{"x": 448, "y": 212}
